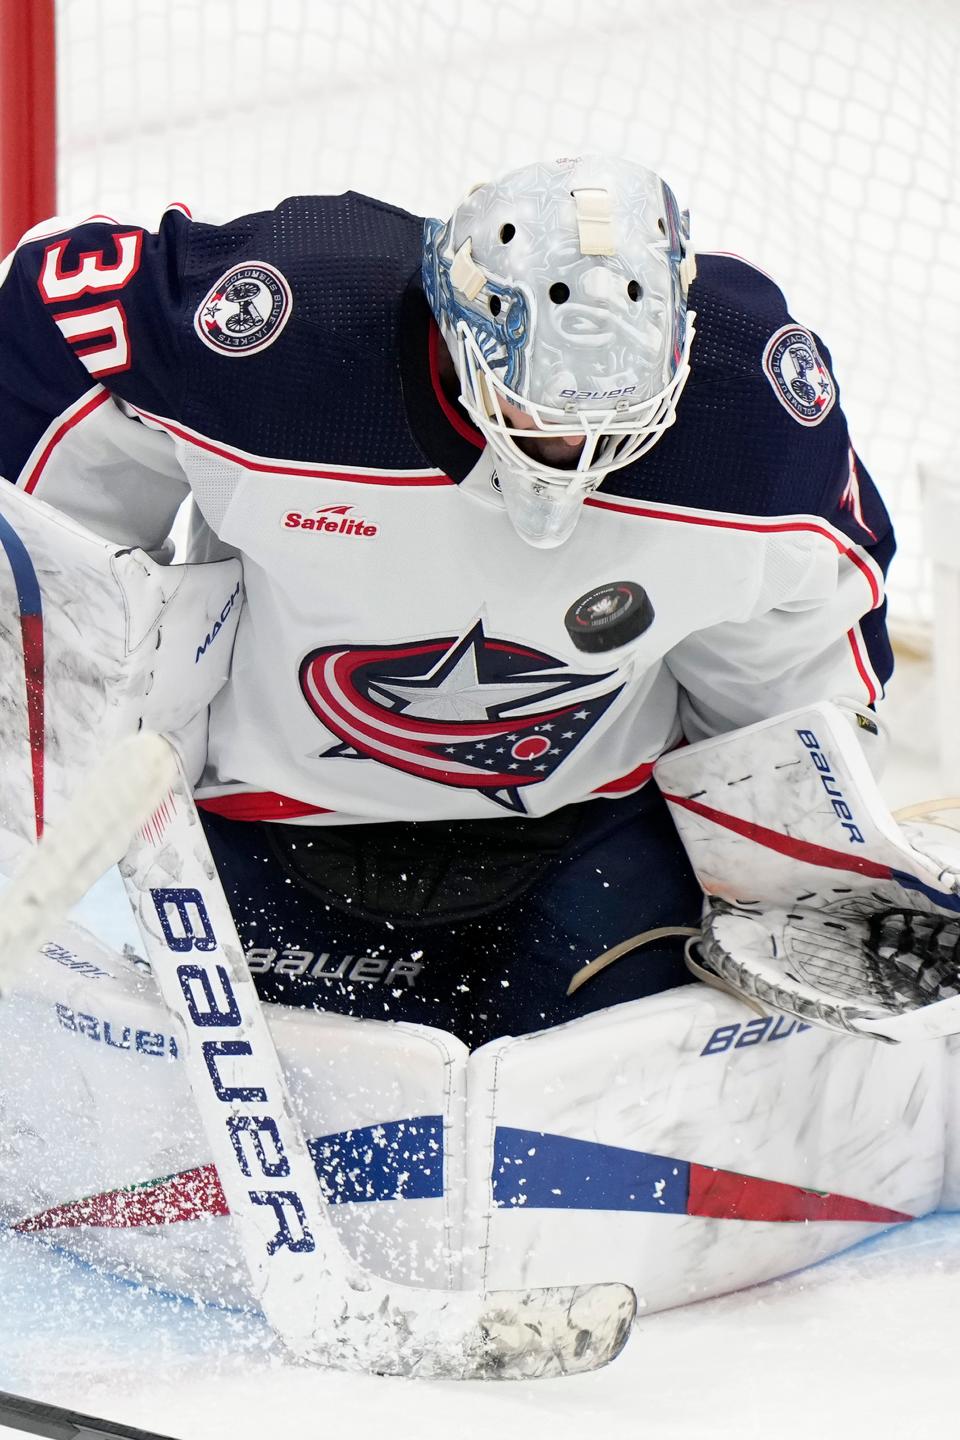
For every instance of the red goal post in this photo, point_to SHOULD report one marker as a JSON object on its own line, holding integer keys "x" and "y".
{"x": 28, "y": 106}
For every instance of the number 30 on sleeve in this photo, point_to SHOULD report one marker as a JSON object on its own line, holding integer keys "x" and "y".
{"x": 105, "y": 324}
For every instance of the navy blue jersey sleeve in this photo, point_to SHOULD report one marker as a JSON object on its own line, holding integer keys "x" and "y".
{"x": 90, "y": 333}
{"x": 760, "y": 432}
{"x": 274, "y": 334}
{"x": 853, "y": 506}
{"x": 94, "y": 305}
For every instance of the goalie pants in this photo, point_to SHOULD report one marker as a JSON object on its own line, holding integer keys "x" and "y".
{"x": 474, "y": 927}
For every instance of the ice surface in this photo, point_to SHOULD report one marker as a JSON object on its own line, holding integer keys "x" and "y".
{"x": 857, "y": 1347}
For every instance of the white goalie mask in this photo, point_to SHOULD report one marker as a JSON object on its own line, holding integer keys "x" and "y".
{"x": 561, "y": 292}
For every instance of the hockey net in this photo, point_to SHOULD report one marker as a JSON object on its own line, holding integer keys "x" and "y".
{"x": 817, "y": 140}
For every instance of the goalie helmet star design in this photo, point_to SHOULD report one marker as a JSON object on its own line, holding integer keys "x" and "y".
{"x": 473, "y": 712}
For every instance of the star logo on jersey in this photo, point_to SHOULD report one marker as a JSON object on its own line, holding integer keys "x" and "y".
{"x": 800, "y": 379}
{"x": 472, "y": 712}
{"x": 245, "y": 311}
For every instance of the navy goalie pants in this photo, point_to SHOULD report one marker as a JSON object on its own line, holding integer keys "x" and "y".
{"x": 469, "y": 926}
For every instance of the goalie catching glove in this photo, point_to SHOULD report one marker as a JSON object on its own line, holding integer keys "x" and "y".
{"x": 819, "y": 904}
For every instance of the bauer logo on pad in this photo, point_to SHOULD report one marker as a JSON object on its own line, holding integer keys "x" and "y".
{"x": 245, "y": 311}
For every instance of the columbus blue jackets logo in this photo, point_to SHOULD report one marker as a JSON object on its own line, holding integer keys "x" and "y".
{"x": 245, "y": 311}
{"x": 800, "y": 379}
{"x": 473, "y": 712}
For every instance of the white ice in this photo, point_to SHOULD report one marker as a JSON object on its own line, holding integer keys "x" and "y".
{"x": 857, "y": 1347}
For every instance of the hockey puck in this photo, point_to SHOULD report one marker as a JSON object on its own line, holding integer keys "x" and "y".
{"x": 609, "y": 616}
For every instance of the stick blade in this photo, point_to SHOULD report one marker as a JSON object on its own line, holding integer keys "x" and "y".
{"x": 465, "y": 1335}
{"x": 560, "y": 1331}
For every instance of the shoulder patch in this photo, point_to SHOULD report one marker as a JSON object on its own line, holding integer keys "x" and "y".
{"x": 800, "y": 379}
{"x": 245, "y": 311}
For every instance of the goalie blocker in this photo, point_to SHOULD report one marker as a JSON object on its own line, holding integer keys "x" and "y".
{"x": 104, "y": 642}
{"x": 819, "y": 904}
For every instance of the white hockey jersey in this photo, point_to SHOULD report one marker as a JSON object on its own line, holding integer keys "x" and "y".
{"x": 402, "y": 653}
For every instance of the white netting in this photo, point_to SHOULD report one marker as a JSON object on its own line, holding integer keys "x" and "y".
{"x": 818, "y": 139}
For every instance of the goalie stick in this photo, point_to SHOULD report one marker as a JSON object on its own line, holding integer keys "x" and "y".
{"x": 322, "y": 1304}
{"x": 36, "y": 1417}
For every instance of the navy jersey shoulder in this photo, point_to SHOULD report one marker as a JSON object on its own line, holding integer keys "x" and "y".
{"x": 314, "y": 377}
{"x": 328, "y": 387}
{"x": 736, "y": 446}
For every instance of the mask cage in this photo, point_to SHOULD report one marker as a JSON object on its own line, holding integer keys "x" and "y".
{"x": 614, "y": 437}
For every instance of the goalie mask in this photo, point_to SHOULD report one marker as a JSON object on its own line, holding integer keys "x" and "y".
{"x": 561, "y": 292}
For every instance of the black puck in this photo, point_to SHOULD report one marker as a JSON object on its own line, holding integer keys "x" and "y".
{"x": 609, "y": 616}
